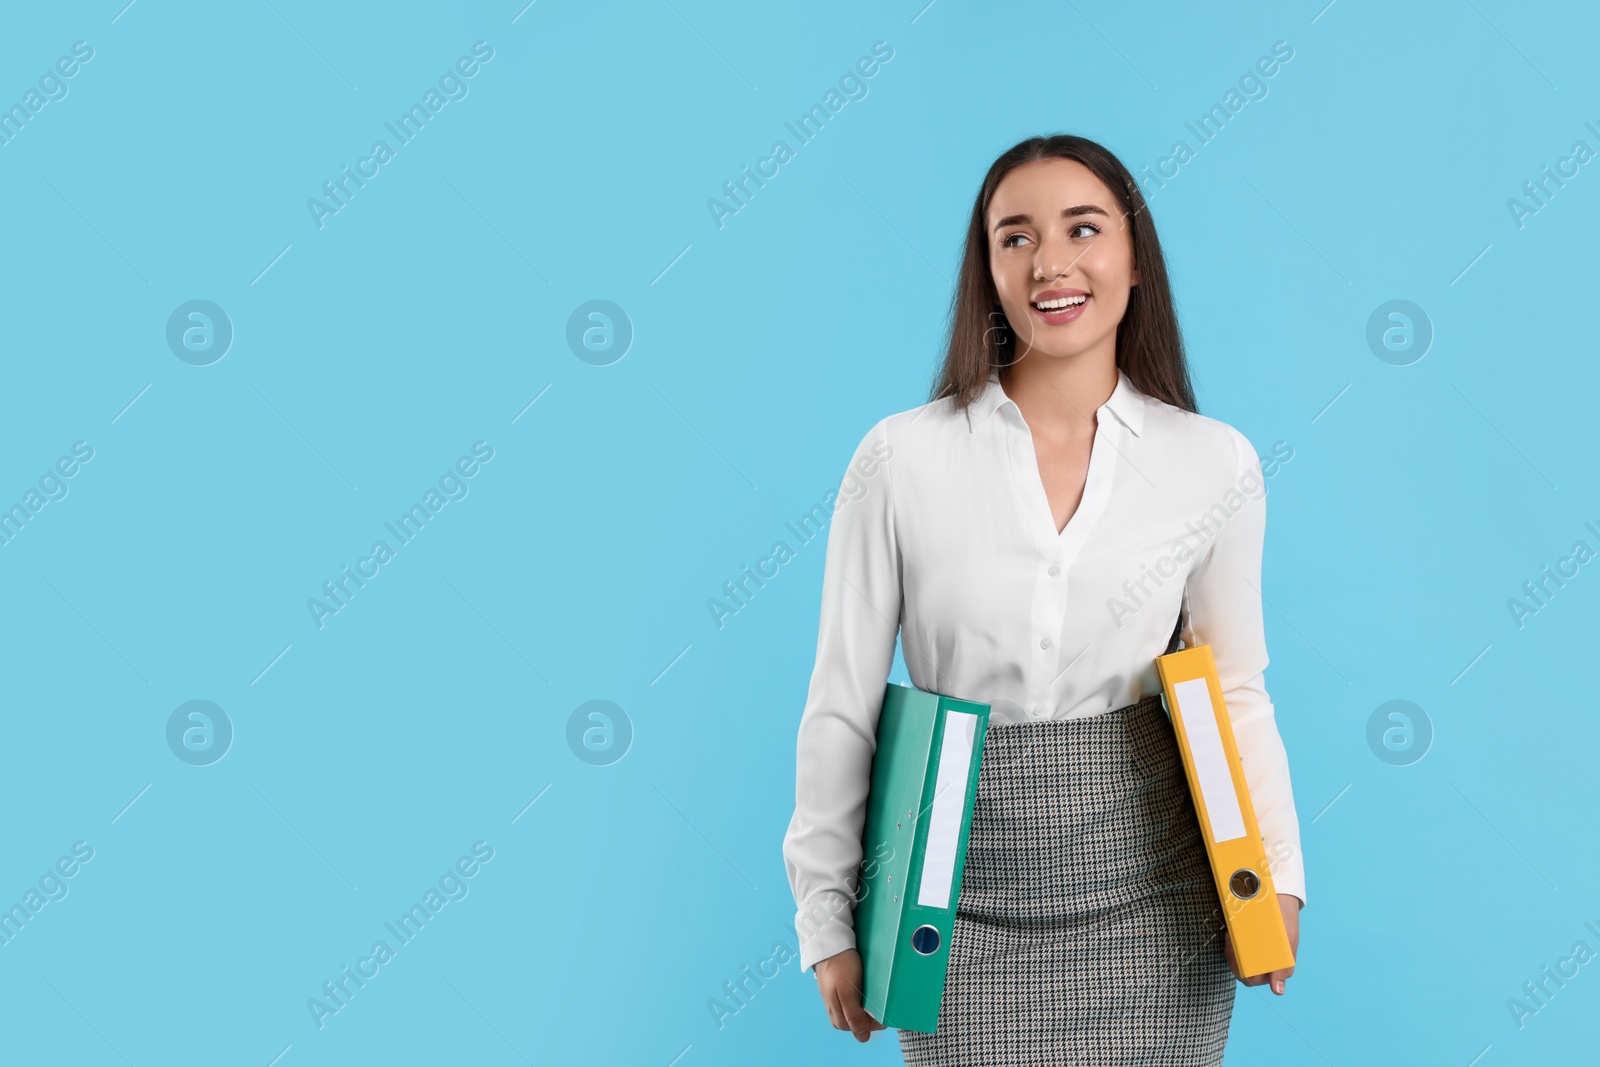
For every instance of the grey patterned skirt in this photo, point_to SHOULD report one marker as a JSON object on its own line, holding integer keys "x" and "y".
{"x": 1087, "y": 928}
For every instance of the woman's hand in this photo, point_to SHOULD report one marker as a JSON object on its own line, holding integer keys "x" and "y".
{"x": 839, "y": 978}
{"x": 1290, "y": 905}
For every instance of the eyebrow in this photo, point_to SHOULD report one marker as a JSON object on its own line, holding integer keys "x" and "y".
{"x": 1066, "y": 213}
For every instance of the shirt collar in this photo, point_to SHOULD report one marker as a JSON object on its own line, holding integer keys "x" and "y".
{"x": 1126, "y": 403}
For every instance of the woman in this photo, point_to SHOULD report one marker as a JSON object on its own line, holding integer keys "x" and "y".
{"x": 1055, "y": 519}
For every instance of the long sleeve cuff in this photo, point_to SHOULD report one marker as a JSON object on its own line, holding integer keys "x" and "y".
{"x": 825, "y": 927}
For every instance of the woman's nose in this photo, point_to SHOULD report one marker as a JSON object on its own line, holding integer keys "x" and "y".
{"x": 1048, "y": 262}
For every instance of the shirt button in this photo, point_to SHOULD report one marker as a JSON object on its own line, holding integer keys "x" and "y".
{"x": 1054, "y": 570}
{"x": 1044, "y": 642}
{"x": 1038, "y": 709}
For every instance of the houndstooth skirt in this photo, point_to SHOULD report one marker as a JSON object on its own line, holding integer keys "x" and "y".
{"x": 1087, "y": 928}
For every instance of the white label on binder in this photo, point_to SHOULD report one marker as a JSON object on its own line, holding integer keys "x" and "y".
{"x": 949, "y": 800}
{"x": 1210, "y": 759}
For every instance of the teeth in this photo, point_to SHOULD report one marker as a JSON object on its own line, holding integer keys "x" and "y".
{"x": 1056, "y": 305}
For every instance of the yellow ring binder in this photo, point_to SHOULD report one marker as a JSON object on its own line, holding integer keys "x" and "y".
{"x": 1193, "y": 697}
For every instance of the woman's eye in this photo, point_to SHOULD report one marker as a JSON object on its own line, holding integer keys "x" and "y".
{"x": 1012, "y": 240}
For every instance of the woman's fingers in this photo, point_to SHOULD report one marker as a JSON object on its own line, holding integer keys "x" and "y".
{"x": 840, "y": 979}
{"x": 860, "y": 1023}
{"x": 1277, "y": 978}
{"x": 835, "y": 1010}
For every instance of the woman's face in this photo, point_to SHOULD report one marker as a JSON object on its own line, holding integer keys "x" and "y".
{"x": 1058, "y": 235}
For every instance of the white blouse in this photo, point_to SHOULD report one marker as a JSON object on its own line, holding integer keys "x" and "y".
{"x": 942, "y": 531}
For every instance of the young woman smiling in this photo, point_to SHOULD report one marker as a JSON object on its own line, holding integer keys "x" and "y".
{"x": 1062, "y": 451}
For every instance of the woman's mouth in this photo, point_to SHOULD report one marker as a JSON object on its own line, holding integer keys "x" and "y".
{"x": 1059, "y": 310}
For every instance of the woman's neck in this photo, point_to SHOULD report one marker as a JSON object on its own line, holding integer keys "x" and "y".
{"x": 1061, "y": 393}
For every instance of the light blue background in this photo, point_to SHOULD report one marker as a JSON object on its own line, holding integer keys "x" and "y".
{"x": 432, "y": 310}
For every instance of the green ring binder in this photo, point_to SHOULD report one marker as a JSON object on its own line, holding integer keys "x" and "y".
{"x": 919, "y": 814}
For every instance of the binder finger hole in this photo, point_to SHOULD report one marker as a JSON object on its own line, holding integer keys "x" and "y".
{"x": 925, "y": 939}
{"x": 1245, "y": 883}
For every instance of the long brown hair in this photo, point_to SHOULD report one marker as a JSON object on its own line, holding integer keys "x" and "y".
{"x": 1149, "y": 344}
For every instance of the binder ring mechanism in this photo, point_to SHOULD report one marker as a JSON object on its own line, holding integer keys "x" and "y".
{"x": 1244, "y": 883}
